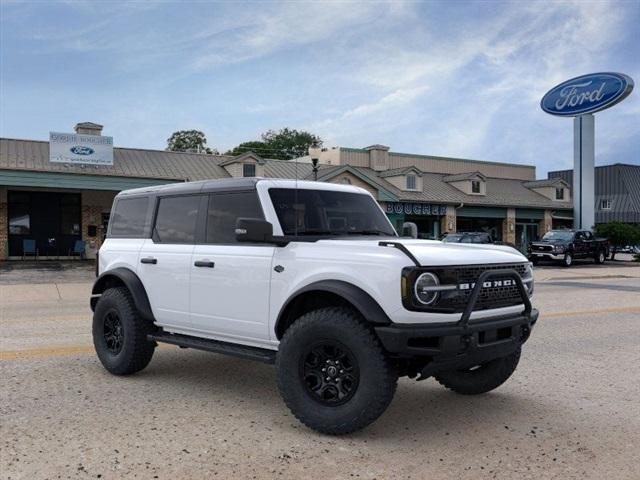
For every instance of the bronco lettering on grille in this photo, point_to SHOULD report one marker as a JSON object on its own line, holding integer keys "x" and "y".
{"x": 489, "y": 284}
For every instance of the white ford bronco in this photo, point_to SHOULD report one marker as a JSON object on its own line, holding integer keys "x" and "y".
{"x": 312, "y": 277}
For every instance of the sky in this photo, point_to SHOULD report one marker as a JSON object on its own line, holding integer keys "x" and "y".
{"x": 450, "y": 78}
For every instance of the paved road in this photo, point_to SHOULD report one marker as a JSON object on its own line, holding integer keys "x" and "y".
{"x": 570, "y": 411}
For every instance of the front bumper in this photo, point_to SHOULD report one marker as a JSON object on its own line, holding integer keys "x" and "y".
{"x": 447, "y": 346}
{"x": 464, "y": 344}
{"x": 546, "y": 255}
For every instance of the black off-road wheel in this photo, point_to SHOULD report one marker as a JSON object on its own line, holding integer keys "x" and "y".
{"x": 332, "y": 372}
{"x": 481, "y": 378}
{"x": 600, "y": 257}
{"x": 120, "y": 334}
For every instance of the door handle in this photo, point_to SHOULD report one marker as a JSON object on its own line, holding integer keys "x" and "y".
{"x": 204, "y": 263}
{"x": 150, "y": 260}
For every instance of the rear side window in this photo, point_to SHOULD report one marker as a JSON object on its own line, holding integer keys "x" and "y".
{"x": 225, "y": 209}
{"x": 129, "y": 218}
{"x": 176, "y": 219}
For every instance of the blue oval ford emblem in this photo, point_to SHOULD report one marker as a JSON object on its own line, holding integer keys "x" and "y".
{"x": 79, "y": 150}
{"x": 587, "y": 94}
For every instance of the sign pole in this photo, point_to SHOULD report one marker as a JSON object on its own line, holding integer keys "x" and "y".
{"x": 583, "y": 171}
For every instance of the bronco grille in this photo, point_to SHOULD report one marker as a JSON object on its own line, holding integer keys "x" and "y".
{"x": 490, "y": 297}
{"x": 497, "y": 295}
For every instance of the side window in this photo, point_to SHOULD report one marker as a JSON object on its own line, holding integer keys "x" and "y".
{"x": 224, "y": 211}
{"x": 176, "y": 219}
{"x": 129, "y": 218}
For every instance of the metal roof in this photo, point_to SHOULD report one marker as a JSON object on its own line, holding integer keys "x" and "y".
{"x": 620, "y": 184}
{"x": 33, "y": 155}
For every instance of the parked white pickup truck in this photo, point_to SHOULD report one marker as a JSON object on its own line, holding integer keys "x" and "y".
{"x": 312, "y": 277}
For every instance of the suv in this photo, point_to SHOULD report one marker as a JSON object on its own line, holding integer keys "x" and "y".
{"x": 313, "y": 278}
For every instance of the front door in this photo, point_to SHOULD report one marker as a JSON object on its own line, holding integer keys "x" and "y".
{"x": 165, "y": 259}
{"x": 229, "y": 280}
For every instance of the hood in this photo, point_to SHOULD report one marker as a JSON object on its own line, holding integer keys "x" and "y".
{"x": 436, "y": 253}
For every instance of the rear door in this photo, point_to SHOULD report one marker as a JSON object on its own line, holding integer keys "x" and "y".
{"x": 230, "y": 281}
{"x": 165, "y": 259}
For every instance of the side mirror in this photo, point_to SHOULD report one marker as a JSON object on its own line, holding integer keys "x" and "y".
{"x": 255, "y": 230}
{"x": 409, "y": 229}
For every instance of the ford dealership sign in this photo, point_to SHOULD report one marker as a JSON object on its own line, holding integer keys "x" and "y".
{"x": 587, "y": 94}
{"x": 80, "y": 149}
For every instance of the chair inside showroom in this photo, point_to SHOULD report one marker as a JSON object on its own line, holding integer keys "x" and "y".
{"x": 29, "y": 248}
{"x": 79, "y": 248}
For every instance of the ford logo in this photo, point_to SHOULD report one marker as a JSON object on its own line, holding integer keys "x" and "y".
{"x": 587, "y": 94}
{"x": 79, "y": 150}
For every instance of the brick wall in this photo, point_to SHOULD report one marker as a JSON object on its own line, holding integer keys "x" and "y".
{"x": 545, "y": 224}
{"x": 94, "y": 204}
{"x": 509, "y": 226}
{"x": 449, "y": 220}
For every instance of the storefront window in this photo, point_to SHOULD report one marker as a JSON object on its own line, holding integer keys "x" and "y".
{"x": 19, "y": 213}
{"x": 19, "y": 220}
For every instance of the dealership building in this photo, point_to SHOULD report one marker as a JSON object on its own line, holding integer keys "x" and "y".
{"x": 51, "y": 199}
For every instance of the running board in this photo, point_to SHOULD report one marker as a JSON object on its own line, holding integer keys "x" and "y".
{"x": 186, "y": 341}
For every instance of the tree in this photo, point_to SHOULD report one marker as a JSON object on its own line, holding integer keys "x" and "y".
{"x": 188, "y": 141}
{"x": 284, "y": 144}
{"x": 257, "y": 147}
{"x": 619, "y": 234}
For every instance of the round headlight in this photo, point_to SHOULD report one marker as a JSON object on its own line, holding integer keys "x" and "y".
{"x": 423, "y": 288}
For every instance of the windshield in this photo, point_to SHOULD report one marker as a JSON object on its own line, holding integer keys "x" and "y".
{"x": 328, "y": 212}
{"x": 558, "y": 235}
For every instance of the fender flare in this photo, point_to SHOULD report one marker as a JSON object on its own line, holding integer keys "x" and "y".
{"x": 361, "y": 300}
{"x": 133, "y": 284}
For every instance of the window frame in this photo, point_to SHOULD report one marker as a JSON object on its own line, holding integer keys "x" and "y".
{"x": 252, "y": 165}
{"x": 473, "y": 184}
{"x": 148, "y": 217}
{"x": 608, "y": 204}
{"x": 203, "y": 240}
{"x": 198, "y": 227}
{"x": 560, "y": 190}
{"x": 414, "y": 177}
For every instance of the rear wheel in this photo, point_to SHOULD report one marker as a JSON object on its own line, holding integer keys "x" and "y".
{"x": 332, "y": 372}
{"x": 120, "y": 334}
{"x": 481, "y": 378}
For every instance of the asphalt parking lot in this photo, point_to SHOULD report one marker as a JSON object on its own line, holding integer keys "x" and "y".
{"x": 571, "y": 410}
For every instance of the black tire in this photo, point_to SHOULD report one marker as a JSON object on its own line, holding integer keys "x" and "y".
{"x": 481, "y": 379}
{"x": 600, "y": 257}
{"x": 368, "y": 384}
{"x": 567, "y": 261}
{"x": 120, "y": 334}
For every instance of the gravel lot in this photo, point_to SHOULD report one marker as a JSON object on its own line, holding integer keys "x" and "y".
{"x": 570, "y": 411}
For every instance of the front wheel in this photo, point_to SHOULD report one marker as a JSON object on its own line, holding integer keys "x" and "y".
{"x": 332, "y": 372}
{"x": 481, "y": 378}
{"x": 567, "y": 261}
{"x": 119, "y": 334}
{"x": 600, "y": 257}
